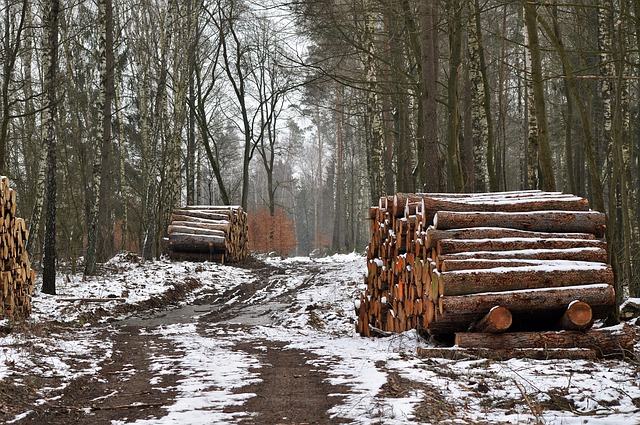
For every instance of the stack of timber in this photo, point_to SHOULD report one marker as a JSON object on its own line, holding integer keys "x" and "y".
{"x": 208, "y": 233}
{"x": 478, "y": 264}
{"x": 16, "y": 275}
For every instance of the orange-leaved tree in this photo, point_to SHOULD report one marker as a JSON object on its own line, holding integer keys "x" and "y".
{"x": 271, "y": 233}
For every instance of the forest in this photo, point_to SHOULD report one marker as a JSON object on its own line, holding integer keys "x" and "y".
{"x": 305, "y": 112}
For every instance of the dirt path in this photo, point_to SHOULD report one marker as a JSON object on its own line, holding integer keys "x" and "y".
{"x": 291, "y": 391}
{"x": 125, "y": 388}
{"x": 120, "y": 390}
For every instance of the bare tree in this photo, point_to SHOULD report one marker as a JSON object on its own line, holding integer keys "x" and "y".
{"x": 51, "y": 66}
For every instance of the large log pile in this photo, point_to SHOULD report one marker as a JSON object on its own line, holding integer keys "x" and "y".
{"x": 16, "y": 275}
{"x": 458, "y": 263}
{"x": 208, "y": 233}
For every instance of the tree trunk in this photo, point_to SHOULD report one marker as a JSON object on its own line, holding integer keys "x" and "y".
{"x": 457, "y": 313}
{"x": 604, "y": 341}
{"x": 51, "y": 79}
{"x": 545, "y": 158}
{"x": 453, "y": 246}
{"x": 473, "y": 263}
{"x": 592, "y": 254}
{"x": 434, "y": 235}
{"x": 429, "y": 162}
{"x": 453, "y": 108}
{"x": 537, "y": 221}
{"x": 516, "y": 278}
{"x": 375, "y": 153}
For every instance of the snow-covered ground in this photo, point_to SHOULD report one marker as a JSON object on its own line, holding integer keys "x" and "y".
{"x": 387, "y": 382}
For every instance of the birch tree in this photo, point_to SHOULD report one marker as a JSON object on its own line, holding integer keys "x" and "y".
{"x": 51, "y": 79}
{"x": 100, "y": 213}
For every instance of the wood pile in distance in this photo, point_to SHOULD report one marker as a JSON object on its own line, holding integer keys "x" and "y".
{"x": 208, "y": 233}
{"x": 485, "y": 263}
{"x": 16, "y": 275}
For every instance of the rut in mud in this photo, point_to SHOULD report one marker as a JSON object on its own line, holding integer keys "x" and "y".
{"x": 127, "y": 387}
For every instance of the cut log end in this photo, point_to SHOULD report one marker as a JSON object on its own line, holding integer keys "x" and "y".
{"x": 579, "y": 316}
{"x": 497, "y": 320}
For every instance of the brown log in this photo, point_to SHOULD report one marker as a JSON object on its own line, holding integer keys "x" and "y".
{"x": 196, "y": 230}
{"x": 451, "y": 265}
{"x": 180, "y": 214}
{"x": 196, "y": 243}
{"x": 536, "y": 221}
{"x": 452, "y": 246}
{"x": 217, "y": 257}
{"x": 591, "y": 254}
{"x": 500, "y": 204}
{"x": 606, "y": 341}
{"x": 213, "y": 208}
{"x": 498, "y": 319}
{"x": 458, "y": 353}
{"x": 578, "y": 317}
{"x": 457, "y": 313}
{"x": 515, "y": 278}
{"x": 434, "y": 235}
{"x": 205, "y": 223}
{"x": 218, "y": 220}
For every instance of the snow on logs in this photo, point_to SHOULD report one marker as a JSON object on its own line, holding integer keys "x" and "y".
{"x": 491, "y": 263}
{"x": 208, "y": 233}
{"x": 16, "y": 275}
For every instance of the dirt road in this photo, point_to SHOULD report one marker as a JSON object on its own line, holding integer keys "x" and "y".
{"x": 127, "y": 385}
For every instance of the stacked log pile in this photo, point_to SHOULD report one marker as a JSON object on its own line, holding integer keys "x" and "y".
{"x": 208, "y": 233}
{"x": 16, "y": 275}
{"x": 485, "y": 263}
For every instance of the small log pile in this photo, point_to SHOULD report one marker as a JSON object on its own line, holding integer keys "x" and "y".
{"x": 208, "y": 233}
{"x": 17, "y": 277}
{"x": 485, "y": 264}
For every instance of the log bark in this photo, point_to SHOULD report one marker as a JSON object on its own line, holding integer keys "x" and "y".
{"x": 452, "y": 246}
{"x": 434, "y": 235}
{"x": 458, "y": 353}
{"x": 592, "y": 254}
{"x": 516, "y": 278}
{"x": 457, "y": 313}
{"x": 175, "y": 228}
{"x": 221, "y": 225}
{"x": 193, "y": 219}
{"x": 217, "y": 257}
{"x": 431, "y": 205}
{"x": 451, "y": 265}
{"x": 180, "y": 214}
{"x": 606, "y": 341}
{"x": 536, "y": 221}
{"x": 497, "y": 320}
{"x": 578, "y": 317}
{"x": 196, "y": 243}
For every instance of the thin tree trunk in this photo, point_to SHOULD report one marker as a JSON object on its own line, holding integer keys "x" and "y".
{"x": 545, "y": 160}
{"x": 483, "y": 135}
{"x": 51, "y": 68}
{"x": 101, "y": 183}
{"x": 429, "y": 162}
{"x": 339, "y": 226}
{"x": 453, "y": 103}
{"x": 374, "y": 114}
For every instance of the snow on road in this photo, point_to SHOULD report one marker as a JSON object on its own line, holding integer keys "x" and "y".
{"x": 308, "y": 305}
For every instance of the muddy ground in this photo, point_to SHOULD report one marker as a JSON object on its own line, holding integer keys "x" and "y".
{"x": 290, "y": 391}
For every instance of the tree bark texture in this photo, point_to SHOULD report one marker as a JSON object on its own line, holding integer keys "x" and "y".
{"x": 51, "y": 78}
{"x": 536, "y": 221}
{"x": 606, "y": 342}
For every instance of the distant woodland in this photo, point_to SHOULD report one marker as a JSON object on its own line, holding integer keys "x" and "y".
{"x": 305, "y": 112}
